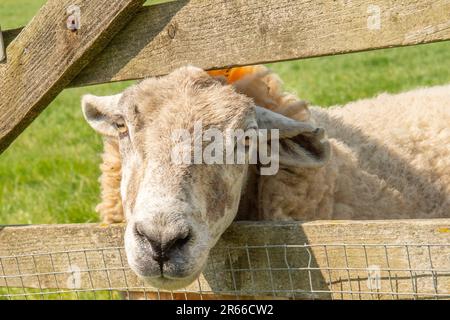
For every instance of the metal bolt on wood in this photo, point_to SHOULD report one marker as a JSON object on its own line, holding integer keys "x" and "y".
{"x": 74, "y": 17}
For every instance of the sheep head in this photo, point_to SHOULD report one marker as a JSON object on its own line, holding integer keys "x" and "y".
{"x": 176, "y": 206}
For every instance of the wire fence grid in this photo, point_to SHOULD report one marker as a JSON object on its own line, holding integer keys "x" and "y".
{"x": 308, "y": 271}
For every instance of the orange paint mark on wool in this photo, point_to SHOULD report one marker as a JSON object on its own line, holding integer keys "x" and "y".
{"x": 233, "y": 74}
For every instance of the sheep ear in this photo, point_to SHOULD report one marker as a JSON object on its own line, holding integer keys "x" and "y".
{"x": 301, "y": 144}
{"x": 99, "y": 111}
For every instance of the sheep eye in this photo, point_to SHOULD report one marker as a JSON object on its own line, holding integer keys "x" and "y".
{"x": 120, "y": 126}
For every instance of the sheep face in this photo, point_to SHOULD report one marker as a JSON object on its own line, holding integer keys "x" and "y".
{"x": 177, "y": 208}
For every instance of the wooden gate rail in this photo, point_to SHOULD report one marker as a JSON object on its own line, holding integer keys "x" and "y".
{"x": 40, "y": 255}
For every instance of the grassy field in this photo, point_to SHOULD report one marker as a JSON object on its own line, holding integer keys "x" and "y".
{"x": 49, "y": 174}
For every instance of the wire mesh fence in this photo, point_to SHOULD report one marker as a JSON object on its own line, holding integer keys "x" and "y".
{"x": 307, "y": 271}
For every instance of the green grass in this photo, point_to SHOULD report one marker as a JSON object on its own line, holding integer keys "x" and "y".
{"x": 49, "y": 174}
{"x": 335, "y": 80}
{"x": 53, "y": 294}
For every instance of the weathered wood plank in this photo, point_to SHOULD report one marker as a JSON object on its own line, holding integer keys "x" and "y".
{"x": 220, "y": 33}
{"x": 278, "y": 270}
{"x": 46, "y": 56}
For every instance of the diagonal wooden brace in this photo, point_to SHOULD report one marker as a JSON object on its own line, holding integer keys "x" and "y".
{"x": 49, "y": 52}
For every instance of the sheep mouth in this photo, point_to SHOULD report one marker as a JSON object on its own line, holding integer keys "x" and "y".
{"x": 166, "y": 282}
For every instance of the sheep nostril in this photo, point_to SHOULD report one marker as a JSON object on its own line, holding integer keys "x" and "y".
{"x": 180, "y": 242}
{"x": 177, "y": 242}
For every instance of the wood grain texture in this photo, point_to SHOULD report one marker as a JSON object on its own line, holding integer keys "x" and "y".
{"x": 43, "y": 254}
{"x": 220, "y": 33}
{"x": 46, "y": 56}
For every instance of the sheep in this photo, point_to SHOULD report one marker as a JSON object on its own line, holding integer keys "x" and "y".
{"x": 382, "y": 158}
{"x": 390, "y": 160}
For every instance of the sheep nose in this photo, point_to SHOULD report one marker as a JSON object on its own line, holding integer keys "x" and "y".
{"x": 163, "y": 244}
